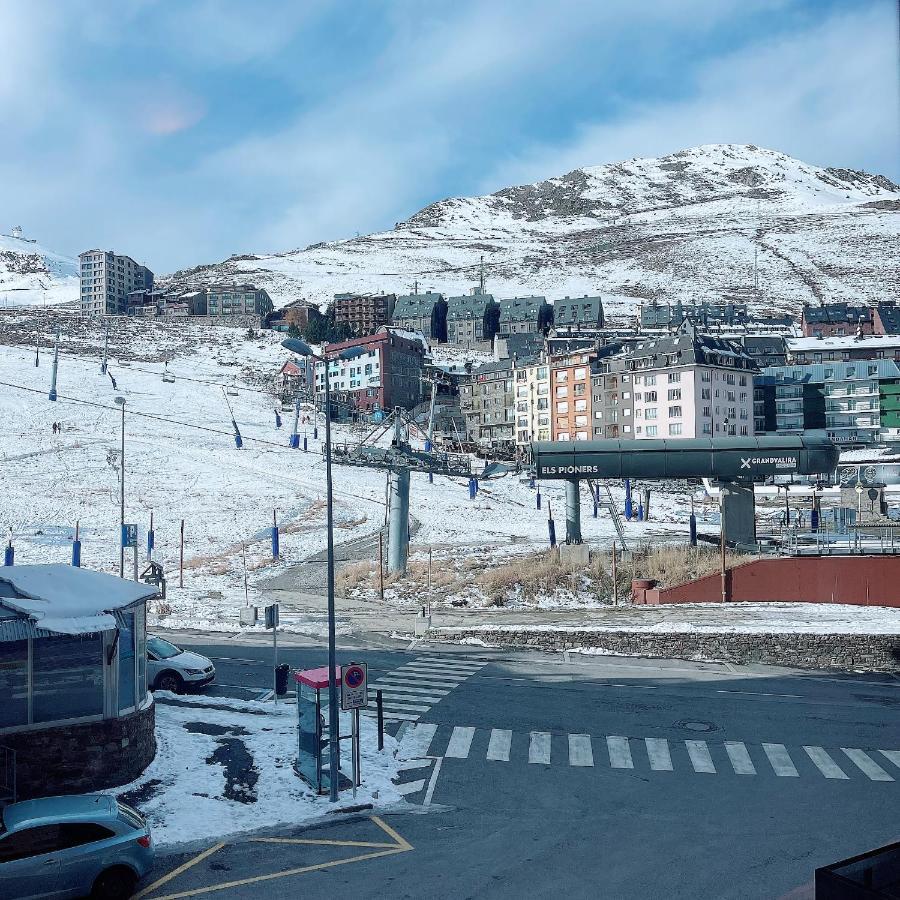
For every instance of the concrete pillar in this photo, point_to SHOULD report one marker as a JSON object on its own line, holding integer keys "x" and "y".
{"x": 573, "y": 511}
{"x": 738, "y": 509}
{"x": 398, "y": 522}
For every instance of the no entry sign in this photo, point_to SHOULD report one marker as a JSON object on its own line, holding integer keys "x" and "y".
{"x": 354, "y": 686}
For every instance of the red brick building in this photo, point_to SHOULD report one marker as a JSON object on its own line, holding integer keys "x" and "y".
{"x": 386, "y": 373}
{"x": 364, "y": 313}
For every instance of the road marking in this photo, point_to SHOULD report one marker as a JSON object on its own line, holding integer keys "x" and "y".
{"x": 539, "y": 747}
{"x": 619, "y": 752}
{"x": 416, "y": 764}
{"x": 759, "y": 694}
{"x": 824, "y": 763}
{"x": 433, "y": 683}
{"x": 499, "y": 744}
{"x": 580, "y": 752}
{"x": 410, "y": 697}
{"x": 401, "y": 705}
{"x": 395, "y": 687}
{"x": 781, "y": 760}
{"x": 658, "y": 753}
{"x": 401, "y": 845}
{"x": 459, "y": 671}
{"x": 700, "y": 758}
{"x": 740, "y": 758}
{"x": 892, "y": 755}
{"x": 460, "y": 742}
{"x": 416, "y": 741}
{"x": 411, "y": 787}
{"x": 867, "y": 765}
{"x": 433, "y": 782}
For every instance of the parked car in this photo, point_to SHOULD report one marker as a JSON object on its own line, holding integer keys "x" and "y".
{"x": 169, "y": 668}
{"x": 72, "y": 847}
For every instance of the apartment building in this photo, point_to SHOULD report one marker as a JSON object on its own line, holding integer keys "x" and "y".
{"x": 466, "y": 319}
{"x": 690, "y": 385}
{"x": 486, "y": 399}
{"x": 225, "y": 300}
{"x": 806, "y": 350}
{"x": 612, "y": 400}
{"x": 415, "y": 312}
{"x": 387, "y": 371}
{"x": 106, "y": 281}
{"x": 671, "y": 315}
{"x": 532, "y": 399}
{"x": 523, "y": 315}
{"x": 836, "y": 320}
{"x": 570, "y": 389}
{"x": 578, "y": 315}
{"x": 364, "y": 313}
{"x": 857, "y": 402}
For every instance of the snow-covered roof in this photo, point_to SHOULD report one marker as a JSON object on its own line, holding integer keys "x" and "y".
{"x": 67, "y": 599}
{"x": 847, "y": 342}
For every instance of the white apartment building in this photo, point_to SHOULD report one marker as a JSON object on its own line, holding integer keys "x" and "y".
{"x": 690, "y": 385}
{"x": 106, "y": 281}
{"x": 532, "y": 400}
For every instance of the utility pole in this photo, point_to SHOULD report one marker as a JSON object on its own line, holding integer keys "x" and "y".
{"x": 105, "y": 349}
{"x": 481, "y": 276}
{"x": 121, "y": 402}
{"x": 52, "y": 395}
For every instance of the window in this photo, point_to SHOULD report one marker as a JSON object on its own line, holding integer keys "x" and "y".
{"x": 674, "y": 377}
{"x": 580, "y": 374}
{"x": 14, "y": 683}
{"x": 30, "y": 842}
{"x": 675, "y": 428}
{"x": 674, "y": 412}
{"x": 651, "y": 431}
{"x": 562, "y": 391}
{"x": 127, "y": 668}
{"x": 578, "y": 390}
{"x": 704, "y": 394}
{"x": 580, "y": 421}
{"x": 649, "y": 379}
{"x": 707, "y": 428}
{"x": 675, "y": 394}
{"x": 562, "y": 407}
{"x": 650, "y": 413}
{"x": 542, "y": 403}
{"x": 68, "y": 677}
{"x": 562, "y": 376}
{"x": 706, "y": 412}
{"x": 580, "y": 405}
{"x": 650, "y": 397}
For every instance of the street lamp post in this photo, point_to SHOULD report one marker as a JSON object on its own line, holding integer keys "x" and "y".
{"x": 121, "y": 402}
{"x": 303, "y": 349}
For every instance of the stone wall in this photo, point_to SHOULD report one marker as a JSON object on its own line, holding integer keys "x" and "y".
{"x": 75, "y": 759}
{"x": 866, "y": 652}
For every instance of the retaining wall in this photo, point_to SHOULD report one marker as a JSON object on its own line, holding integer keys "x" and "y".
{"x": 857, "y": 580}
{"x": 871, "y": 653}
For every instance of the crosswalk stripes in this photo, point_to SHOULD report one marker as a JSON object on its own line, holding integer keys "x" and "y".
{"x": 658, "y": 754}
{"x": 619, "y": 752}
{"x": 499, "y": 744}
{"x": 824, "y": 763}
{"x": 740, "y": 758}
{"x": 866, "y": 764}
{"x": 781, "y": 760}
{"x": 539, "y": 747}
{"x": 700, "y": 758}
{"x": 410, "y": 690}
{"x": 496, "y": 746}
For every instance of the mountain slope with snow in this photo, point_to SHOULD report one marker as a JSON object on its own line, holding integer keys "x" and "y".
{"x": 688, "y": 226}
{"x": 31, "y": 275}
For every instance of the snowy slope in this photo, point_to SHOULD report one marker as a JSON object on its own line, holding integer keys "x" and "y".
{"x": 685, "y": 226}
{"x": 32, "y": 275}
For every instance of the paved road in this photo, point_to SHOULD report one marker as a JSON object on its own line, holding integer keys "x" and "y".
{"x": 551, "y": 775}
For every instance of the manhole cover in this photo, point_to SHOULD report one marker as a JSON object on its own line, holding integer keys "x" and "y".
{"x": 692, "y": 725}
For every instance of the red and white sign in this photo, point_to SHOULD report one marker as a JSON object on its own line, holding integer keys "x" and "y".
{"x": 354, "y": 686}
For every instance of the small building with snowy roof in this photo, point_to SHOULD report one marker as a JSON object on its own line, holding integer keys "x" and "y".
{"x": 77, "y": 715}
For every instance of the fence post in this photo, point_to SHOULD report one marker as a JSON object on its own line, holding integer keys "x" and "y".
{"x": 378, "y": 701}
{"x": 181, "y": 558}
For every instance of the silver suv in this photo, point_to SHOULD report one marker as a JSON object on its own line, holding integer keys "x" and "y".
{"x": 169, "y": 668}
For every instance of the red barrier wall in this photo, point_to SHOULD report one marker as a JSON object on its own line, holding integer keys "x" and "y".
{"x": 858, "y": 580}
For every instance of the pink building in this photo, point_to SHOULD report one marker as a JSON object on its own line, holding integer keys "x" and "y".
{"x": 691, "y": 385}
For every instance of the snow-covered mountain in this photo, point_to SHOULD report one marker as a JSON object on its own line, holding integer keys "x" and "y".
{"x": 689, "y": 226}
{"x": 31, "y": 275}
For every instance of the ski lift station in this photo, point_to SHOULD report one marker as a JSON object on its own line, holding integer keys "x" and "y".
{"x": 76, "y": 714}
{"x": 734, "y": 463}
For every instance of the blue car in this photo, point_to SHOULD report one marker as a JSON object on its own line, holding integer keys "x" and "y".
{"x": 88, "y": 845}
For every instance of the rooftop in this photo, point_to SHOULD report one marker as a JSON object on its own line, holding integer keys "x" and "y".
{"x": 836, "y": 312}
{"x": 844, "y": 342}
{"x": 68, "y": 599}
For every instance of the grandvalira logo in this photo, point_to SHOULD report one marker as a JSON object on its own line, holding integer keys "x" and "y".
{"x": 780, "y": 462}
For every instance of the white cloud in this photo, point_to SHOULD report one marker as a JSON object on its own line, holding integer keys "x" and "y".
{"x": 827, "y": 95}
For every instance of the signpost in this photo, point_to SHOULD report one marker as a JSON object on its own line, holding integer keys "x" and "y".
{"x": 354, "y": 697}
{"x": 130, "y": 539}
{"x": 271, "y": 613}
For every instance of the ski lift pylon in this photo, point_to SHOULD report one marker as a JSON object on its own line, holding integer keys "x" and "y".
{"x": 168, "y": 377}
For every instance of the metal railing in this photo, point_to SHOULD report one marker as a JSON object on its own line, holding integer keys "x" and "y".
{"x": 7, "y": 775}
{"x": 865, "y": 540}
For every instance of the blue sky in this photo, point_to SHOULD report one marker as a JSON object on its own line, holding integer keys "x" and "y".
{"x": 182, "y": 132}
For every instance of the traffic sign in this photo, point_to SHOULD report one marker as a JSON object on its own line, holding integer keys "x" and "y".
{"x": 354, "y": 686}
{"x": 129, "y": 535}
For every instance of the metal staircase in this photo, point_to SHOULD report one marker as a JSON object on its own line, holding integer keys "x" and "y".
{"x": 610, "y": 504}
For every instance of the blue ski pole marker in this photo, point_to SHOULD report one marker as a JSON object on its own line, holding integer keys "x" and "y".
{"x": 277, "y": 419}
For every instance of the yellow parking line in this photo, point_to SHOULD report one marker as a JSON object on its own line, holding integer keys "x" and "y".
{"x": 277, "y": 840}
{"x": 401, "y": 845}
{"x": 288, "y": 872}
{"x": 176, "y": 872}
